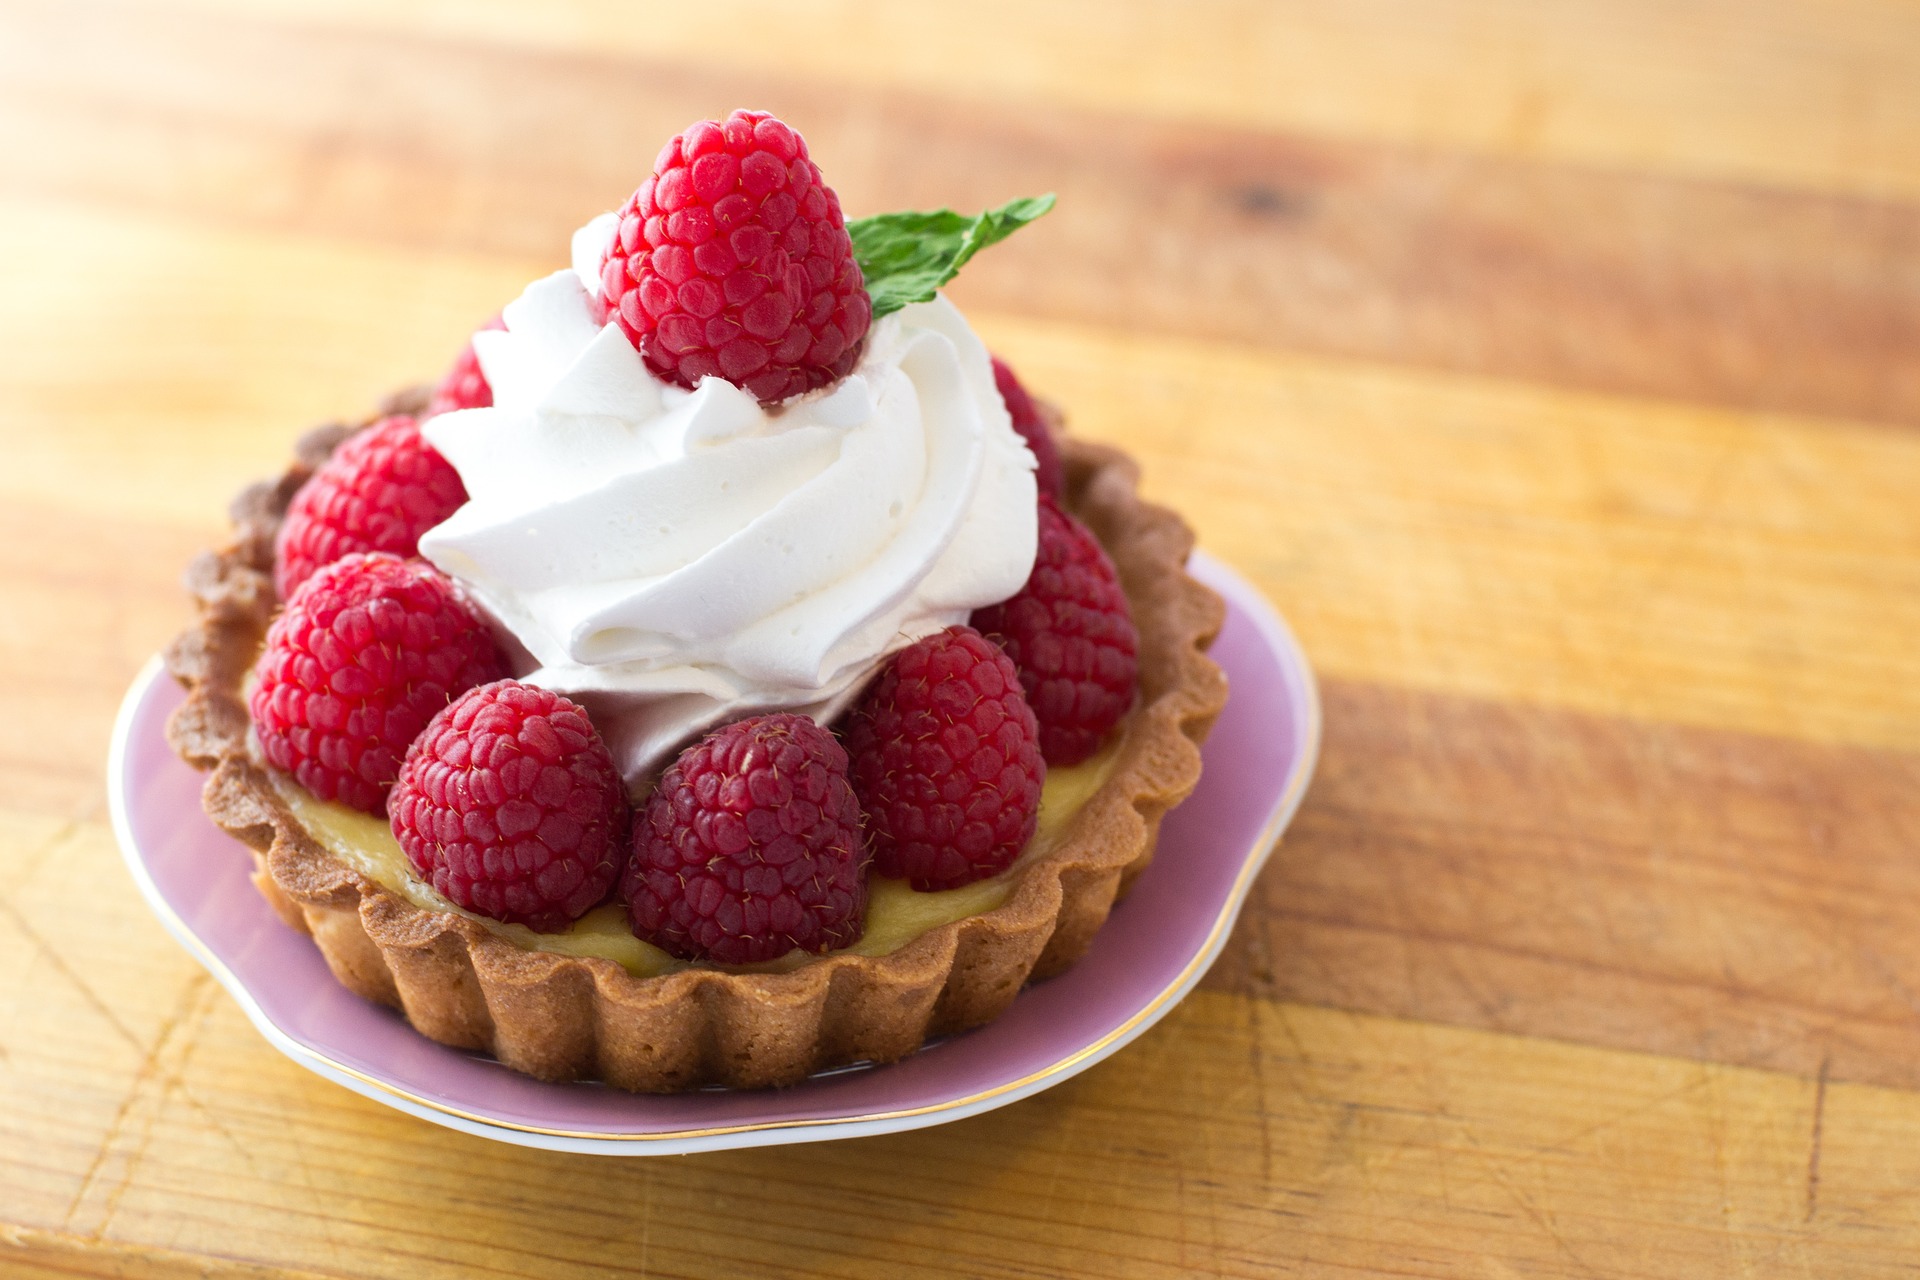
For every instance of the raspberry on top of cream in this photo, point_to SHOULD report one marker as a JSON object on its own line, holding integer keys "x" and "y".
{"x": 675, "y": 559}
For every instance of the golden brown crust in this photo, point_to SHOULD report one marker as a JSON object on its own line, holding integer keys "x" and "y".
{"x": 564, "y": 1017}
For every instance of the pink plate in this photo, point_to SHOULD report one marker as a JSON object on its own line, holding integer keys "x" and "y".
{"x": 1150, "y": 954}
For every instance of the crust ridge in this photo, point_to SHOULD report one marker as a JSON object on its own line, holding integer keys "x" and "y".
{"x": 565, "y": 1017}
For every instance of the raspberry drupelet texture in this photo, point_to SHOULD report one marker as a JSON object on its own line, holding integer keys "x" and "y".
{"x": 733, "y": 261}
{"x": 750, "y": 847}
{"x": 367, "y": 651}
{"x": 1049, "y": 475}
{"x": 946, "y": 762}
{"x": 1070, "y": 632}
{"x": 464, "y": 386}
{"x": 381, "y": 490}
{"x": 509, "y": 804}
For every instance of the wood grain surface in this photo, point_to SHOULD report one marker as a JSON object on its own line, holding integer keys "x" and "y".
{"x": 1552, "y": 366}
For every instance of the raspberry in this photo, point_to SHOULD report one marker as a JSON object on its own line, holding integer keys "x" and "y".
{"x": 509, "y": 804}
{"x": 1070, "y": 632}
{"x": 364, "y": 654}
{"x": 464, "y": 386}
{"x": 733, "y": 261}
{"x": 750, "y": 847}
{"x": 946, "y": 762}
{"x": 379, "y": 491}
{"x": 1032, "y": 428}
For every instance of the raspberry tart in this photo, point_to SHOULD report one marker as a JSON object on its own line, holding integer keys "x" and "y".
{"x": 728, "y": 671}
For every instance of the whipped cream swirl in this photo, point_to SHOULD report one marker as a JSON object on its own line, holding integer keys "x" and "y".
{"x": 676, "y": 559}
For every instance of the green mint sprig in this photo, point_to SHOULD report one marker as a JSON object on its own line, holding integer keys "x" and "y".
{"x": 905, "y": 257}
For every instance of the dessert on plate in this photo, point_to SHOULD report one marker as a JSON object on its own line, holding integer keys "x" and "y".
{"x": 726, "y": 672}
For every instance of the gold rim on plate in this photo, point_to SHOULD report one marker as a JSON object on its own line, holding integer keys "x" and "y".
{"x": 1264, "y": 618}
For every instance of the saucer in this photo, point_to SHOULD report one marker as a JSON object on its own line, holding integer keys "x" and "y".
{"x": 1151, "y": 952}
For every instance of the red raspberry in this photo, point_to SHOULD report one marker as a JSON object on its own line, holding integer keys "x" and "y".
{"x": 1070, "y": 632}
{"x": 750, "y": 846}
{"x": 364, "y": 654}
{"x": 946, "y": 762}
{"x": 733, "y": 261}
{"x": 464, "y": 386}
{"x": 379, "y": 491}
{"x": 1032, "y": 429}
{"x": 509, "y": 805}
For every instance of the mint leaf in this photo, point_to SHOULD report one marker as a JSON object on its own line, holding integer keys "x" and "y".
{"x": 905, "y": 257}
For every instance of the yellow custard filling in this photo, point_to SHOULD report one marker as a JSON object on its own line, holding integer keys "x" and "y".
{"x": 896, "y": 912}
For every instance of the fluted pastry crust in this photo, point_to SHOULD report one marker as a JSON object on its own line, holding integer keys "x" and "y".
{"x": 568, "y": 1017}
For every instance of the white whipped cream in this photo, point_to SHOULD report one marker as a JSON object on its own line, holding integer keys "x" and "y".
{"x": 676, "y": 559}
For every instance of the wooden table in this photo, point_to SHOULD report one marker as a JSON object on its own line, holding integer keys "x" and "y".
{"x": 1555, "y": 368}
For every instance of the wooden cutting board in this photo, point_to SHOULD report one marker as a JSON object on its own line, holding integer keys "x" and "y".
{"x": 1553, "y": 367}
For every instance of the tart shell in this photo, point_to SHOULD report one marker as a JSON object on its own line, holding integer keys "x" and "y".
{"x": 567, "y": 1017}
